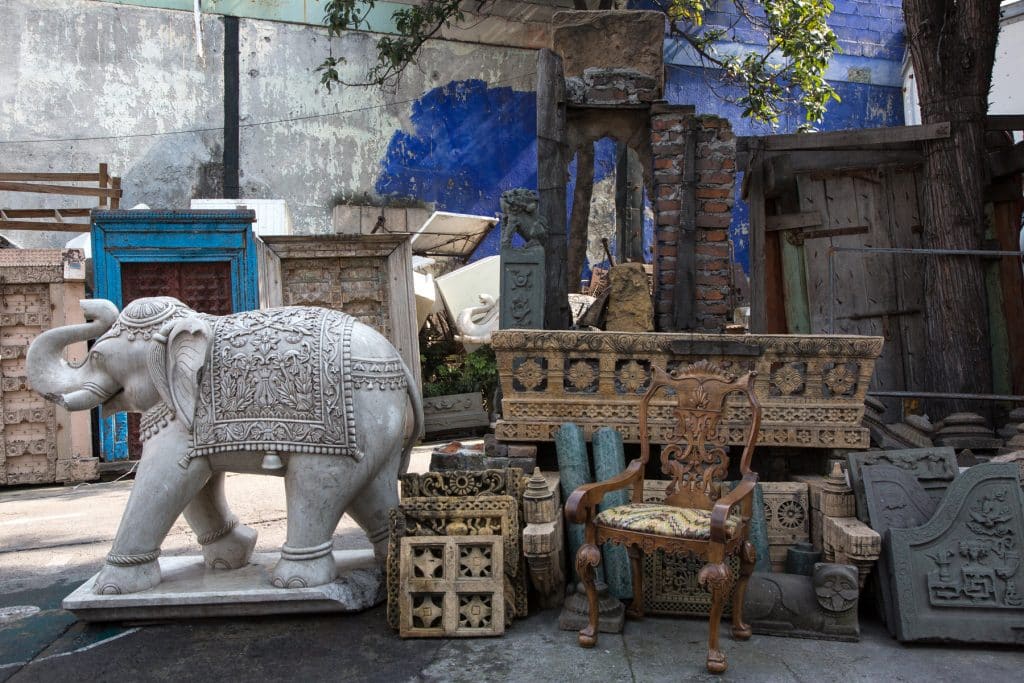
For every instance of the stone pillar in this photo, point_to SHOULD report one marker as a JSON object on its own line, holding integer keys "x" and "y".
{"x": 609, "y": 461}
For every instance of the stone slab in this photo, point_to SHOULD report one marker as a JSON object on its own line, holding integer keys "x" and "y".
{"x": 610, "y": 39}
{"x": 959, "y": 576}
{"x": 822, "y": 606}
{"x": 935, "y": 468}
{"x": 190, "y": 590}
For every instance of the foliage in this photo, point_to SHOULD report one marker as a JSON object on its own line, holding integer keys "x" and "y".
{"x": 790, "y": 68}
{"x": 447, "y": 373}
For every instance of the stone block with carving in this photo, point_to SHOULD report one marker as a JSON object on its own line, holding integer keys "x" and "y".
{"x": 610, "y": 40}
{"x": 484, "y": 502}
{"x": 787, "y": 512}
{"x": 934, "y": 468}
{"x": 847, "y": 540}
{"x": 454, "y": 412}
{"x": 959, "y": 577}
{"x": 630, "y": 308}
{"x": 822, "y": 606}
{"x": 451, "y": 586}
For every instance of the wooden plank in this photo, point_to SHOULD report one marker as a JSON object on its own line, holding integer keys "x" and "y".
{"x": 67, "y": 177}
{"x": 775, "y": 309}
{"x": 792, "y": 221}
{"x": 552, "y": 176}
{"x": 1006, "y": 222}
{"x": 1004, "y": 122}
{"x": 45, "y": 225}
{"x": 104, "y": 181}
{"x": 404, "y": 331}
{"x": 6, "y": 186}
{"x": 44, "y": 213}
{"x": 684, "y": 295}
{"x": 782, "y": 167}
{"x": 794, "y": 275}
{"x": 849, "y": 138}
{"x": 758, "y": 299}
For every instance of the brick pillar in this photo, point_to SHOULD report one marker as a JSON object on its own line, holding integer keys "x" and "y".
{"x": 692, "y": 215}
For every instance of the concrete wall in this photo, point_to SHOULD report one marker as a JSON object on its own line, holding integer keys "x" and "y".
{"x": 1006, "y": 96}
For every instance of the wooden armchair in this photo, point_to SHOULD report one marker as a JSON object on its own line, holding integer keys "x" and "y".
{"x": 694, "y": 519}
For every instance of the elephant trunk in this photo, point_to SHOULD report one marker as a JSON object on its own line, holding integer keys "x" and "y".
{"x": 52, "y": 376}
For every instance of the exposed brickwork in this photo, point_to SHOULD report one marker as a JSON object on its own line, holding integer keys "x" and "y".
{"x": 715, "y": 176}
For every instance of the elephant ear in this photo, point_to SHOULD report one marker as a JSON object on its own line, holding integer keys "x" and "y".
{"x": 188, "y": 345}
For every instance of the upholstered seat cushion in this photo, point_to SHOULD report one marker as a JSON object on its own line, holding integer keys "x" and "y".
{"x": 665, "y": 520}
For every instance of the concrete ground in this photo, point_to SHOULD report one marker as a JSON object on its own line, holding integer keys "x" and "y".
{"x": 53, "y": 538}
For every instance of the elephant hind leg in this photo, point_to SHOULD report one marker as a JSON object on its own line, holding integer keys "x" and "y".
{"x": 226, "y": 543}
{"x": 370, "y": 510}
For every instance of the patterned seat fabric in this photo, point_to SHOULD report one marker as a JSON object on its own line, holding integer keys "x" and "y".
{"x": 665, "y": 520}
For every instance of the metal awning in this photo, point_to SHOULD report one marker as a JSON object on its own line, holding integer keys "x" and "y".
{"x": 451, "y": 234}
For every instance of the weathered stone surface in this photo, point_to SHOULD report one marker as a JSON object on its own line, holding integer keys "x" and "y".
{"x": 822, "y": 606}
{"x": 543, "y": 543}
{"x": 630, "y": 308}
{"x": 847, "y": 540}
{"x": 189, "y": 590}
{"x": 522, "y": 288}
{"x": 966, "y": 430}
{"x": 596, "y": 379}
{"x": 959, "y": 576}
{"x": 611, "y": 87}
{"x": 575, "y": 613}
{"x": 610, "y": 39}
{"x": 895, "y": 501}
{"x": 451, "y": 586}
{"x": 935, "y": 468}
{"x": 1014, "y": 457}
{"x": 609, "y": 461}
{"x": 454, "y": 412}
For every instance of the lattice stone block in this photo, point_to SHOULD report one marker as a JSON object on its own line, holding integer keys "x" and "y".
{"x": 451, "y": 586}
{"x": 670, "y": 585}
{"x": 788, "y": 512}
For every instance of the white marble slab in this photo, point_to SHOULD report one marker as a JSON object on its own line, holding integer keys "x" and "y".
{"x": 190, "y": 590}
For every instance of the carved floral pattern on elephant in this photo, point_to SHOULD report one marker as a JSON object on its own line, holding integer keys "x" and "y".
{"x": 219, "y": 391}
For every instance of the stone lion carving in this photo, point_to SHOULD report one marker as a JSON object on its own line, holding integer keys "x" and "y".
{"x": 520, "y": 209}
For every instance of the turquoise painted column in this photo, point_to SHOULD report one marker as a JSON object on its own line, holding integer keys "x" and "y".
{"x": 758, "y": 529}
{"x": 573, "y": 472}
{"x": 609, "y": 461}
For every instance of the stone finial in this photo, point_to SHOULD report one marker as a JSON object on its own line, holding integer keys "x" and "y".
{"x": 837, "y": 498}
{"x": 539, "y": 506}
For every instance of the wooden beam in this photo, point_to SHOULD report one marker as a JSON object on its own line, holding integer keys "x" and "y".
{"x": 45, "y": 226}
{"x": 782, "y": 167}
{"x": 1004, "y": 122}
{"x": 792, "y": 221}
{"x": 848, "y": 138}
{"x": 44, "y": 213}
{"x": 1006, "y": 161}
{"x": 65, "y": 177}
{"x": 6, "y": 186}
{"x": 758, "y": 297}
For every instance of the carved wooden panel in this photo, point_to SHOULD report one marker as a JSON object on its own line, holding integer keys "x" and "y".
{"x": 203, "y": 286}
{"x": 934, "y": 468}
{"x": 451, "y": 586}
{"x": 959, "y": 577}
{"x": 787, "y": 511}
{"x": 811, "y": 387}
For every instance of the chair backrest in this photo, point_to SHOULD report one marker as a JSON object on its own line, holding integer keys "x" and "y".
{"x": 695, "y": 454}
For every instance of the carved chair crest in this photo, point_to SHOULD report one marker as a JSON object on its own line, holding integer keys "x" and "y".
{"x": 695, "y": 455}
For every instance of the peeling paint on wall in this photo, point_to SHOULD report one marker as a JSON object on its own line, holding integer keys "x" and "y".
{"x": 467, "y": 143}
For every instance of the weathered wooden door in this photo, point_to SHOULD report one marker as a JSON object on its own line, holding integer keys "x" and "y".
{"x": 872, "y": 293}
{"x": 204, "y": 286}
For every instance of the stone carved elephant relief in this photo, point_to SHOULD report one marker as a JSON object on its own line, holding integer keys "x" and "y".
{"x": 305, "y": 393}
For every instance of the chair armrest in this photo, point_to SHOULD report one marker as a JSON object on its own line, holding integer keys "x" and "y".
{"x": 585, "y": 498}
{"x": 723, "y": 505}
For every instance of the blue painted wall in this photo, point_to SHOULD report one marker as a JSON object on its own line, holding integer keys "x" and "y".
{"x": 468, "y": 143}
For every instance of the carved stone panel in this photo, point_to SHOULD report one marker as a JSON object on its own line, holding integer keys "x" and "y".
{"x": 522, "y": 288}
{"x": 465, "y": 483}
{"x": 895, "y": 501}
{"x": 934, "y": 468}
{"x": 959, "y": 576}
{"x": 822, "y": 606}
{"x": 459, "y": 516}
{"x": 451, "y": 586}
{"x": 787, "y": 511}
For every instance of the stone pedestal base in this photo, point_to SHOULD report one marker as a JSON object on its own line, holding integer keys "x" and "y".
{"x": 190, "y": 590}
{"x": 575, "y": 612}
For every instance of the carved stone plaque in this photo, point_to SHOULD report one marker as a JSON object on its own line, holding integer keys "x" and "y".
{"x": 451, "y": 586}
{"x": 959, "y": 576}
{"x": 895, "y": 501}
{"x": 522, "y": 288}
{"x": 934, "y": 468}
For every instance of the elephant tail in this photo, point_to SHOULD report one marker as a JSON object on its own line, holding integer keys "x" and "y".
{"x": 417, "y": 412}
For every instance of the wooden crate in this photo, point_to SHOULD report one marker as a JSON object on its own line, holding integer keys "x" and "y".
{"x": 40, "y": 443}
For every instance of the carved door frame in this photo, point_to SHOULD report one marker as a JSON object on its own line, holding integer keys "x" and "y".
{"x": 168, "y": 236}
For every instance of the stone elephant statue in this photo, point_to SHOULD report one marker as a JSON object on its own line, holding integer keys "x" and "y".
{"x": 306, "y": 393}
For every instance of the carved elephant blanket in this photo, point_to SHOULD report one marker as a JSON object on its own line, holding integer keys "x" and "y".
{"x": 279, "y": 380}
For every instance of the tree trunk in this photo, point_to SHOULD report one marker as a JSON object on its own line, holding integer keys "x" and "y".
{"x": 579, "y": 221}
{"x": 952, "y": 47}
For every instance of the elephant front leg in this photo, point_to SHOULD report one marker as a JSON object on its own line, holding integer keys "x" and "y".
{"x": 161, "y": 490}
{"x": 226, "y": 543}
{"x": 319, "y": 488}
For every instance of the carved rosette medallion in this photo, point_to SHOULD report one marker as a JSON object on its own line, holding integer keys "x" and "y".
{"x": 840, "y": 378}
{"x": 530, "y": 374}
{"x": 581, "y": 375}
{"x": 788, "y": 378}
{"x": 631, "y": 377}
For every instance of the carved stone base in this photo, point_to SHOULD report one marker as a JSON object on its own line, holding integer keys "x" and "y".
{"x": 822, "y": 606}
{"x": 574, "y": 614}
{"x": 190, "y": 590}
{"x": 847, "y": 540}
